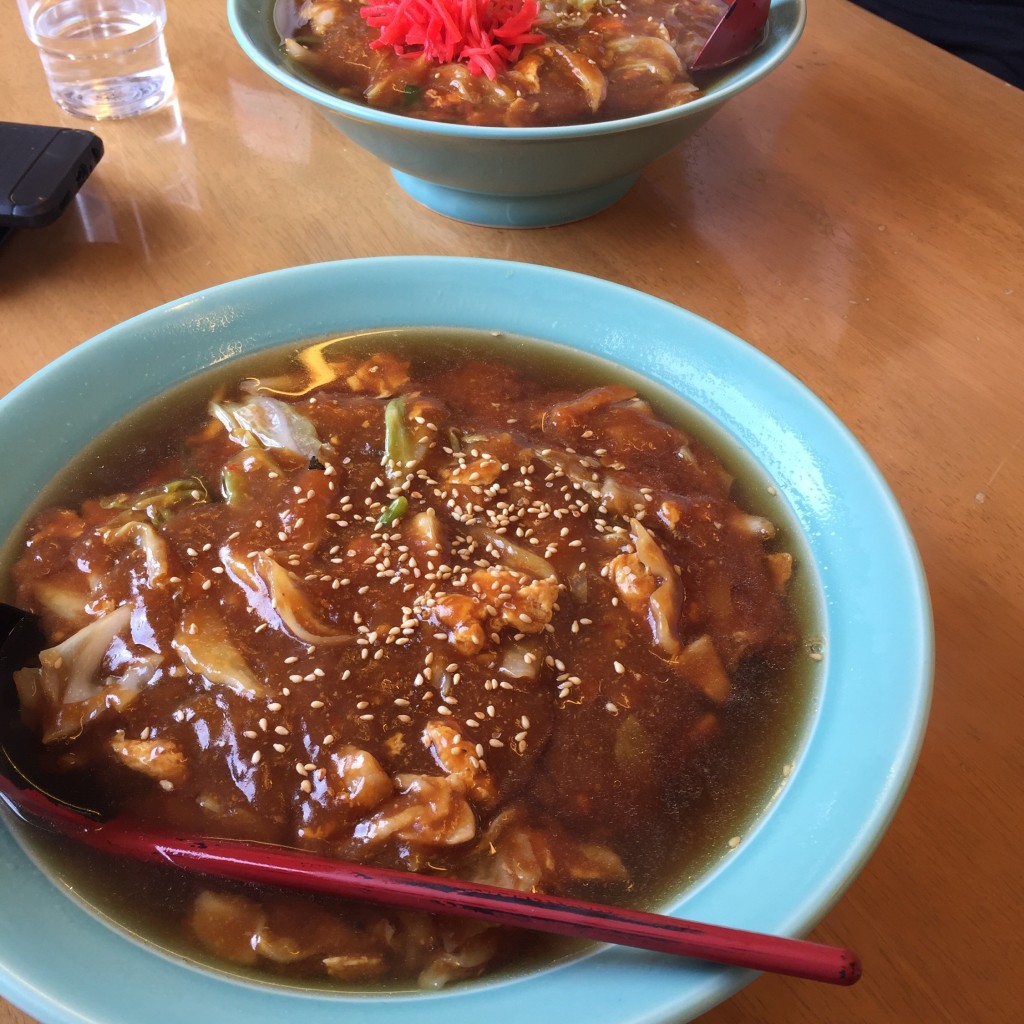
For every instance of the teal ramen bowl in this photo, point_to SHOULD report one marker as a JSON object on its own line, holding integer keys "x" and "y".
{"x": 514, "y": 177}
{"x": 850, "y": 758}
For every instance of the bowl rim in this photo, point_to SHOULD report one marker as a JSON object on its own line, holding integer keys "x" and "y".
{"x": 785, "y": 26}
{"x": 835, "y": 806}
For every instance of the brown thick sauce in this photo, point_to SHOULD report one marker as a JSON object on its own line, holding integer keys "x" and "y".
{"x": 598, "y": 61}
{"x": 563, "y": 657}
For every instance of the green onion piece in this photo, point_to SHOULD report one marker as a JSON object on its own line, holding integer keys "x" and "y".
{"x": 161, "y": 502}
{"x": 399, "y": 448}
{"x": 394, "y": 511}
{"x": 238, "y": 483}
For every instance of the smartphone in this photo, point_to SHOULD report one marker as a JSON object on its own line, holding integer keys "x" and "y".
{"x": 41, "y": 169}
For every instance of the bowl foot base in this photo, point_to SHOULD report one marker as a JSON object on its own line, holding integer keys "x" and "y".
{"x": 493, "y": 210}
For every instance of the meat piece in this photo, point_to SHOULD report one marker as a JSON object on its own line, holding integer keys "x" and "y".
{"x": 352, "y": 788}
{"x": 634, "y": 584}
{"x": 430, "y": 811}
{"x": 501, "y": 600}
{"x": 525, "y": 606}
{"x": 463, "y": 617}
{"x": 381, "y": 375}
{"x": 479, "y": 472}
{"x": 458, "y": 758}
{"x": 780, "y": 569}
{"x": 224, "y": 924}
{"x": 160, "y": 759}
{"x": 283, "y": 931}
{"x": 427, "y": 532}
{"x": 358, "y": 780}
{"x": 514, "y": 855}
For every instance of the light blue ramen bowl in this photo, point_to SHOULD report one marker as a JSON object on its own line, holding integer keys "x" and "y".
{"x": 852, "y": 757}
{"x": 514, "y": 177}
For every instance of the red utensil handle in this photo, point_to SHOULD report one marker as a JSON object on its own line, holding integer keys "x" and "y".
{"x": 282, "y": 866}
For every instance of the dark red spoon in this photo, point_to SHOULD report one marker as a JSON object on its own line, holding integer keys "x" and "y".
{"x": 741, "y": 29}
{"x": 296, "y": 869}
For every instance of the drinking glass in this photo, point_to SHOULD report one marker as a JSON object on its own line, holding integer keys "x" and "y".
{"x": 103, "y": 59}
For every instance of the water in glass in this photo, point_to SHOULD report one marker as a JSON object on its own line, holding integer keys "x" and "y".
{"x": 103, "y": 59}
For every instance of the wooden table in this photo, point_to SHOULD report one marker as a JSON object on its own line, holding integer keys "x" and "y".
{"x": 858, "y": 216}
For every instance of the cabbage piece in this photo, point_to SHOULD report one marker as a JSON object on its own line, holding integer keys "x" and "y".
{"x": 275, "y": 596}
{"x": 69, "y": 670}
{"x": 466, "y": 948}
{"x": 161, "y": 502}
{"x": 581, "y": 471}
{"x": 701, "y": 665}
{"x": 521, "y": 660}
{"x": 665, "y": 604}
{"x": 513, "y": 555}
{"x": 263, "y": 422}
{"x": 578, "y": 411}
{"x": 589, "y": 476}
{"x": 639, "y": 57}
{"x": 69, "y": 688}
{"x": 64, "y": 600}
{"x": 148, "y": 541}
{"x": 205, "y": 648}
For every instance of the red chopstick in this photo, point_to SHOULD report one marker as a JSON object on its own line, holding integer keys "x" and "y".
{"x": 296, "y": 869}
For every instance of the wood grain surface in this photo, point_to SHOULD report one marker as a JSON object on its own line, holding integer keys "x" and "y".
{"x": 858, "y": 216}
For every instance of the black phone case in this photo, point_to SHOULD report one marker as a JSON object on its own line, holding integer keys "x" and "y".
{"x": 41, "y": 169}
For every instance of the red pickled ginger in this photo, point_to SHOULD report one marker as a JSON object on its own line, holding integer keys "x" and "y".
{"x": 486, "y": 35}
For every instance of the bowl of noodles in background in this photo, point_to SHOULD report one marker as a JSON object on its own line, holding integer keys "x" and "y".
{"x": 89, "y": 946}
{"x": 545, "y": 141}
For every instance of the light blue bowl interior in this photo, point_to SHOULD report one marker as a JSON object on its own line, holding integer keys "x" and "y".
{"x": 62, "y": 965}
